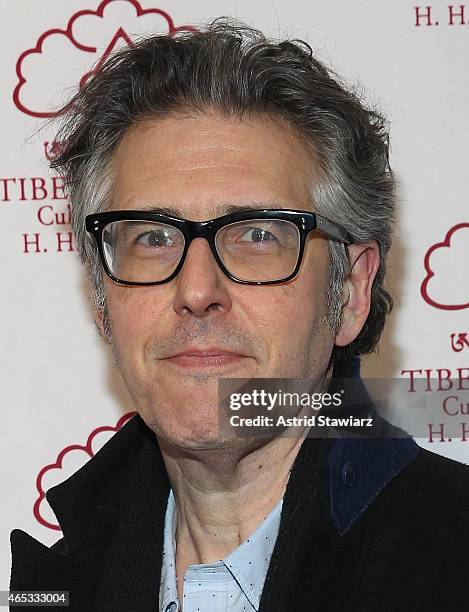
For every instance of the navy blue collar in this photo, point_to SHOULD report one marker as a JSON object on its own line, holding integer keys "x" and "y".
{"x": 359, "y": 468}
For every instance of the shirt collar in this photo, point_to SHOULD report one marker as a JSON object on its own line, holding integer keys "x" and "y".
{"x": 168, "y": 588}
{"x": 248, "y": 563}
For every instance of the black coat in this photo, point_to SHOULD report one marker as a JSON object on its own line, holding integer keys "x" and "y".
{"x": 367, "y": 525}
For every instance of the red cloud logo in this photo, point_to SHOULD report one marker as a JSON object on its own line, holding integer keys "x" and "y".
{"x": 68, "y": 461}
{"x": 446, "y": 283}
{"x": 63, "y": 58}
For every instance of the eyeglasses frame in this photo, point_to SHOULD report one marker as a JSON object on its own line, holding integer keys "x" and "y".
{"x": 305, "y": 221}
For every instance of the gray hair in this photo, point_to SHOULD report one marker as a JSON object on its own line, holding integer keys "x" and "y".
{"x": 236, "y": 71}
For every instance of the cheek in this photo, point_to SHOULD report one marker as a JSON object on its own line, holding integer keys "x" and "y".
{"x": 293, "y": 323}
{"x": 134, "y": 313}
{"x": 292, "y": 306}
{"x": 289, "y": 320}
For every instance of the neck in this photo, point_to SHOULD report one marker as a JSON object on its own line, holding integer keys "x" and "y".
{"x": 222, "y": 497}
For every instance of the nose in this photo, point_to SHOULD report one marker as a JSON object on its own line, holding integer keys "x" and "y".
{"x": 201, "y": 285}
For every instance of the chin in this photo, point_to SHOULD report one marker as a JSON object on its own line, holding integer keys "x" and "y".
{"x": 193, "y": 435}
{"x": 195, "y": 441}
{"x": 188, "y": 428}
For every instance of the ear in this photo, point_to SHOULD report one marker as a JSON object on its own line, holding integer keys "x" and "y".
{"x": 365, "y": 261}
{"x": 100, "y": 326}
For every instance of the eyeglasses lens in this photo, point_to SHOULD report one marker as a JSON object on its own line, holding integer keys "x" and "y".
{"x": 142, "y": 251}
{"x": 259, "y": 249}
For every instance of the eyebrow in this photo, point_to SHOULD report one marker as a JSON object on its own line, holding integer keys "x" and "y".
{"x": 225, "y": 209}
{"x": 169, "y": 211}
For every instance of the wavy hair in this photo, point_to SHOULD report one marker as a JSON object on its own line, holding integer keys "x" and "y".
{"x": 236, "y": 71}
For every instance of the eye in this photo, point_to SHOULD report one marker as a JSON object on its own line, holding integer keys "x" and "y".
{"x": 256, "y": 234}
{"x": 155, "y": 238}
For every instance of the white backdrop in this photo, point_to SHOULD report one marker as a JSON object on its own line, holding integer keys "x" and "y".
{"x": 61, "y": 398}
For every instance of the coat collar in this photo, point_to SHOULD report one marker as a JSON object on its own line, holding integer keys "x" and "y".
{"x": 91, "y": 501}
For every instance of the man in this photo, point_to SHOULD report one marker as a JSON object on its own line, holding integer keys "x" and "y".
{"x": 238, "y": 204}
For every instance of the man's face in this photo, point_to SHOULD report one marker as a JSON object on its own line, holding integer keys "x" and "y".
{"x": 173, "y": 341}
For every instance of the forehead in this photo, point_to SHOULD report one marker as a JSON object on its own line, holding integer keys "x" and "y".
{"x": 198, "y": 164}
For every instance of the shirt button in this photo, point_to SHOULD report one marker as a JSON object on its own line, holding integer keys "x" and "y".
{"x": 348, "y": 474}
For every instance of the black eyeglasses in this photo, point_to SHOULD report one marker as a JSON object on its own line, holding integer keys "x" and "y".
{"x": 255, "y": 247}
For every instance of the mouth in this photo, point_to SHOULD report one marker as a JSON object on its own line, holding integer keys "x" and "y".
{"x": 205, "y": 358}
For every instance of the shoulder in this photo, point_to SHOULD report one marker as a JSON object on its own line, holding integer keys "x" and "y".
{"x": 432, "y": 471}
{"x": 431, "y": 494}
{"x": 417, "y": 537}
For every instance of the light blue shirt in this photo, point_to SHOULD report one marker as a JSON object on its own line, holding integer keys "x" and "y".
{"x": 232, "y": 584}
